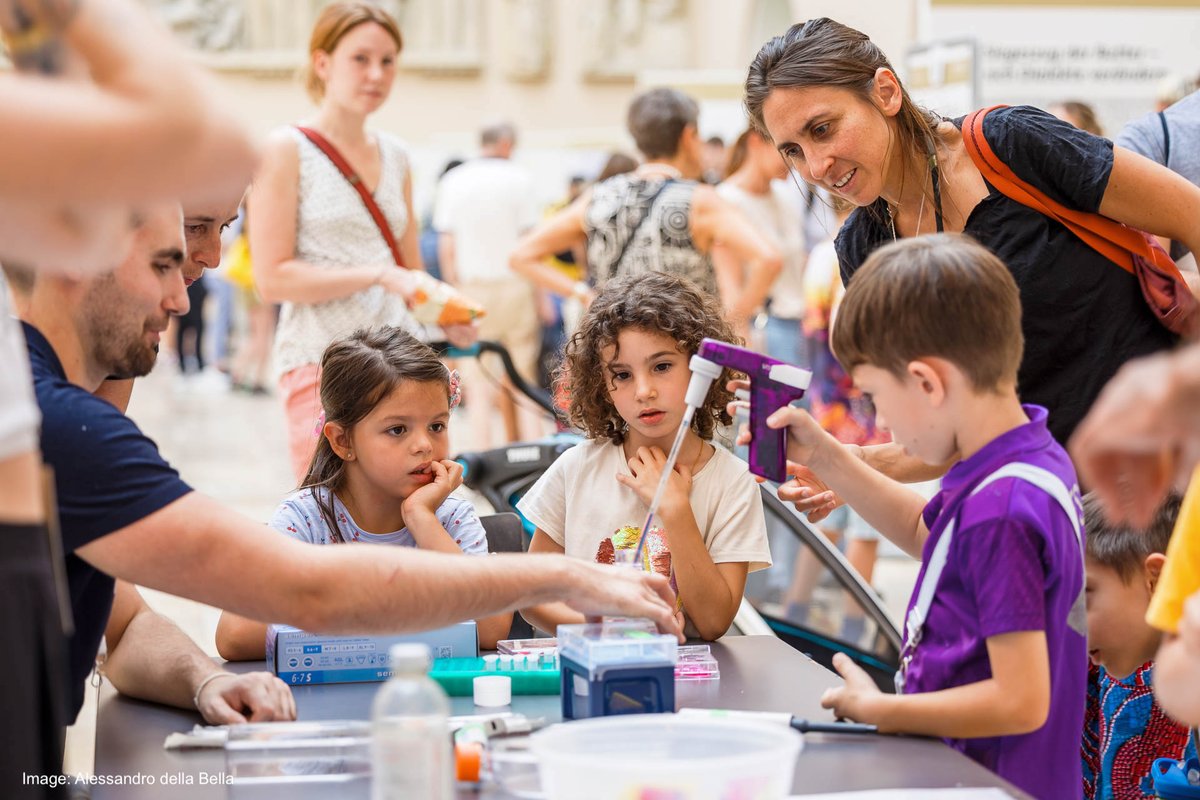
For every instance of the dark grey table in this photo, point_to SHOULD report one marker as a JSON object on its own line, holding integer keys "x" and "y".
{"x": 758, "y": 673}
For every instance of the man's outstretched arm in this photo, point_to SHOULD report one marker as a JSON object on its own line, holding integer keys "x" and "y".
{"x": 196, "y": 548}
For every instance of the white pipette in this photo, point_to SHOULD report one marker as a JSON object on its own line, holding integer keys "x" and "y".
{"x": 704, "y": 372}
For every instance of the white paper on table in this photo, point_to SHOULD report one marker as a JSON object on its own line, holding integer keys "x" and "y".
{"x": 912, "y": 794}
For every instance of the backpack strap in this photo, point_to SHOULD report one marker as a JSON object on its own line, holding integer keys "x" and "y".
{"x": 1162, "y": 119}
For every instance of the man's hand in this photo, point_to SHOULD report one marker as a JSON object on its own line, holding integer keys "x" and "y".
{"x": 1140, "y": 436}
{"x": 250, "y": 697}
{"x": 858, "y": 698}
{"x": 647, "y": 467}
{"x": 597, "y": 590}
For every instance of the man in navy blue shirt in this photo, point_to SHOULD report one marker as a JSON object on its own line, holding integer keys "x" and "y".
{"x": 148, "y": 656}
{"x": 126, "y": 514}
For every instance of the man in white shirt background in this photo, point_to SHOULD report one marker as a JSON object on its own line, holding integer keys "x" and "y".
{"x": 483, "y": 207}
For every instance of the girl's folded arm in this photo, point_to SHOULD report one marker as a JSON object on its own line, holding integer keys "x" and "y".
{"x": 241, "y": 639}
{"x": 711, "y": 593}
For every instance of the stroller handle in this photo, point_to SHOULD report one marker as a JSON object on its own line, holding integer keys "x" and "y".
{"x": 535, "y": 393}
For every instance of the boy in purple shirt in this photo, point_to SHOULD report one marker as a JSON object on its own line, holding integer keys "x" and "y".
{"x": 995, "y": 660}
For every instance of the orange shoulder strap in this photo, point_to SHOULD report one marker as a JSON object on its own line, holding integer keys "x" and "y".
{"x": 1107, "y": 237}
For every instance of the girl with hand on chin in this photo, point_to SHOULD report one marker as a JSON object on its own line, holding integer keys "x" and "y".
{"x": 381, "y": 472}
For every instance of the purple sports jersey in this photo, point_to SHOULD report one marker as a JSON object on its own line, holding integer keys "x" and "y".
{"x": 1014, "y": 564}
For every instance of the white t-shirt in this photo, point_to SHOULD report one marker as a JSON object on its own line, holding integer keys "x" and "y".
{"x": 580, "y": 494}
{"x": 486, "y": 204}
{"x": 19, "y": 415}
{"x": 780, "y": 219}
{"x": 299, "y": 516}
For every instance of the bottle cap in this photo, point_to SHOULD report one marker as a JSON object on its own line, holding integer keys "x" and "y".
{"x": 493, "y": 690}
{"x": 409, "y": 657}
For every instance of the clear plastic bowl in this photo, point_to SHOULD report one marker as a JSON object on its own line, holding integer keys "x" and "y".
{"x": 662, "y": 755}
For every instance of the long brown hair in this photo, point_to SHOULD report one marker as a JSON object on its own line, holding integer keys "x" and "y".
{"x": 656, "y": 302}
{"x": 357, "y": 372}
{"x": 333, "y": 23}
{"x": 822, "y": 52}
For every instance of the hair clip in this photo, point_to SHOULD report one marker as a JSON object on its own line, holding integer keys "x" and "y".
{"x": 455, "y": 389}
{"x": 320, "y": 427}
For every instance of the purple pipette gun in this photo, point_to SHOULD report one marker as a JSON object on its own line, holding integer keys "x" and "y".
{"x": 773, "y": 385}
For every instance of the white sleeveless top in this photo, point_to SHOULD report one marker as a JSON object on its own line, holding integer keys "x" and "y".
{"x": 334, "y": 231}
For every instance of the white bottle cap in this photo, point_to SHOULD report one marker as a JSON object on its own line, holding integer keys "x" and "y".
{"x": 493, "y": 690}
{"x": 410, "y": 657}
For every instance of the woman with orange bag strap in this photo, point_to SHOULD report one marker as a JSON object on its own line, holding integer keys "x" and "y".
{"x": 832, "y": 104}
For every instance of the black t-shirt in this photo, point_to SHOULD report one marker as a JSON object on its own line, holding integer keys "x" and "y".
{"x": 107, "y": 475}
{"x": 1082, "y": 315}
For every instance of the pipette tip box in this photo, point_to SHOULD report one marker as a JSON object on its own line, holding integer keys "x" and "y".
{"x": 610, "y": 668}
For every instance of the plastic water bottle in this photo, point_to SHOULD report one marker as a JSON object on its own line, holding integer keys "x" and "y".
{"x": 410, "y": 738}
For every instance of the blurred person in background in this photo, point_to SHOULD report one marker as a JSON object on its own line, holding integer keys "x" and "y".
{"x": 429, "y": 234}
{"x": 1079, "y": 114}
{"x": 255, "y": 331}
{"x": 658, "y": 218}
{"x": 1171, "y": 137}
{"x": 483, "y": 207}
{"x": 713, "y": 159}
{"x": 757, "y": 185}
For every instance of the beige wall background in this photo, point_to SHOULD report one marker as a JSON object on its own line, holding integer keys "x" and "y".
{"x": 563, "y": 71}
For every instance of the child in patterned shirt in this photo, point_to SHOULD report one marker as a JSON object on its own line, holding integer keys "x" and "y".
{"x": 1125, "y": 730}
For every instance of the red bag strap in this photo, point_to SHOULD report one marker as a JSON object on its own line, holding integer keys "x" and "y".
{"x": 1107, "y": 237}
{"x": 344, "y": 167}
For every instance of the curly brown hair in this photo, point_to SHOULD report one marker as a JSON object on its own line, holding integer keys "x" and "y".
{"x": 656, "y": 302}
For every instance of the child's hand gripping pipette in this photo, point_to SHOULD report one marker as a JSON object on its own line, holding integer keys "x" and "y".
{"x": 704, "y": 372}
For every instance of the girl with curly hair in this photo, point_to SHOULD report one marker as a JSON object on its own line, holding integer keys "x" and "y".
{"x": 626, "y": 372}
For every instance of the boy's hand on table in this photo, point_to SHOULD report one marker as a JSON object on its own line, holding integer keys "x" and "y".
{"x": 857, "y": 699}
{"x": 249, "y": 697}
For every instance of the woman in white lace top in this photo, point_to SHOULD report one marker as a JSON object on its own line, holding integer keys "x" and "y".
{"x": 315, "y": 246}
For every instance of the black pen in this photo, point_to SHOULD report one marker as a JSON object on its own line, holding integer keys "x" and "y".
{"x": 779, "y": 718}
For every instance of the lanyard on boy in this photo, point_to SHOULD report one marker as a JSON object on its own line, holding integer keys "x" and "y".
{"x": 914, "y": 623}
